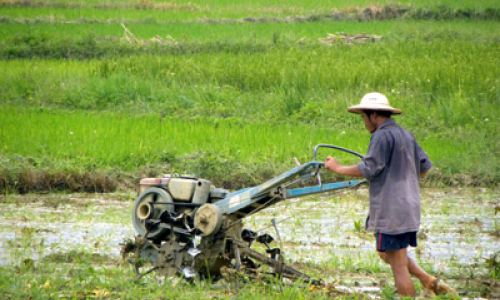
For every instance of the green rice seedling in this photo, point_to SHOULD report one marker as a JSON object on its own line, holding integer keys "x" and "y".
{"x": 373, "y": 264}
{"x": 236, "y": 95}
{"x": 230, "y": 36}
{"x": 388, "y": 293}
{"x": 493, "y": 263}
{"x": 357, "y": 225}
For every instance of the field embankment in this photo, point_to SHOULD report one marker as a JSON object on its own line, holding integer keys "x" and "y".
{"x": 232, "y": 93}
{"x": 145, "y": 11}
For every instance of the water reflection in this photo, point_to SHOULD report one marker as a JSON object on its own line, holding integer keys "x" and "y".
{"x": 460, "y": 229}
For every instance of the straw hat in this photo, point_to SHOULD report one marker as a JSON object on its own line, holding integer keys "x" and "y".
{"x": 374, "y": 101}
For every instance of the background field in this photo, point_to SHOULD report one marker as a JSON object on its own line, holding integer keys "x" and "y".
{"x": 233, "y": 91}
{"x": 95, "y": 95}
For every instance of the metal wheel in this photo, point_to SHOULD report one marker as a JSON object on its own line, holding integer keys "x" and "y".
{"x": 143, "y": 211}
{"x": 208, "y": 219}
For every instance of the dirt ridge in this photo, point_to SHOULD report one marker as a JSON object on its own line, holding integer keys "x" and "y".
{"x": 100, "y": 181}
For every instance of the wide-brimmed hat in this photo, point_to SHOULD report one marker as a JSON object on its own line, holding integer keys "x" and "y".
{"x": 374, "y": 101}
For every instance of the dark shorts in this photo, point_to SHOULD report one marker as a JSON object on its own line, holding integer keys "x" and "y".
{"x": 390, "y": 242}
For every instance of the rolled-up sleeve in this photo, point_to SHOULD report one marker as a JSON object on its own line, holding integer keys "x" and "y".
{"x": 375, "y": 160}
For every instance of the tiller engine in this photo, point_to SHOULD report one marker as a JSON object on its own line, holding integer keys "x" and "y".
{"x": 187, "y": 227}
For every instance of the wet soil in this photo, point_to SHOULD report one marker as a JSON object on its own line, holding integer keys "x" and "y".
{"x": 321, "y": 235}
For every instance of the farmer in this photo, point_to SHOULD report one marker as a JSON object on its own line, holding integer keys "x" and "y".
{"x": 392, "y": 166}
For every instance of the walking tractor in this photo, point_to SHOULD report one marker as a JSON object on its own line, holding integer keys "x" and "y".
{"x": 186, "y": 227}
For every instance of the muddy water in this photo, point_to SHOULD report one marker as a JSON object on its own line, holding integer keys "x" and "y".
{"x": 37, "y": 225}
{"x": 459, "y": 227}
{"x": 459, "y": 231}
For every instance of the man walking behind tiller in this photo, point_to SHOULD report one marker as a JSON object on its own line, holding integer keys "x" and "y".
{"x": 393, "y": 166}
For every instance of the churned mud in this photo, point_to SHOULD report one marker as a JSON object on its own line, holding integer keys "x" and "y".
{"x": 321, "y": 235}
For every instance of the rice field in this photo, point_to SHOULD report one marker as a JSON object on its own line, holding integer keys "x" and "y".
{"x": 95, "y": 95}
{"x": 67, "y": 246}
{"x": 244, "y": 85}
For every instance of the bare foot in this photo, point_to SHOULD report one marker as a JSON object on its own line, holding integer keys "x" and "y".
{"x": 430, "y": 283}
{"x": 441, "y": 288}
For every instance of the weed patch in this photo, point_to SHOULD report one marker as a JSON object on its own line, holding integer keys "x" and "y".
{"x": 36, "y": 180}
{"x": 78, "y": 257}
{"x": 493, "y": 263}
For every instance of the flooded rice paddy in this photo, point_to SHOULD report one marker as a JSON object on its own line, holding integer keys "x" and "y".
{"x": 460, "y": 232}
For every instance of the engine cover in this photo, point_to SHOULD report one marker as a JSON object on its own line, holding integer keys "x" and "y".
{"x": 181, "y": 189}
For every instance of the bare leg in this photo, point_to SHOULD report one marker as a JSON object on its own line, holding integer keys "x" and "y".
{"x": 426, "y": 279}
{"x": 414, "y": 269}
{"x": 400, "y": 265}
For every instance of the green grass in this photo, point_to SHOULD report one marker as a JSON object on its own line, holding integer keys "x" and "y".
{"x": 432, "y": 69}
{"x": 63, "y": 14}
{"x": 244, "y": 96}
{"x": 298, "y": 3}
{"x": 191, "y": 9}
{"x": 457, "y": 79}
{"x": 301, "y": 11}
{"x": 12, "y": 33}
{"x": 128, "y": 142}
{"x": 84, "y": 278}
{"x": 230, "y": 102}
{"x": 243, "y": 102}
{"x": 229, "y": 152}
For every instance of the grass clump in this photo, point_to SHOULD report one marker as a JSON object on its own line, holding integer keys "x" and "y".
{"x": 90, "y": 279}
{"x": 493, "y": 263}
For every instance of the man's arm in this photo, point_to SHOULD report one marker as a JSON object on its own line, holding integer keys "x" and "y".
{"x": 333, "y": 165}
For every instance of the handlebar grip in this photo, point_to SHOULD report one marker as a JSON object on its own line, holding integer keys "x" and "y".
{"x": 336, "y": 148}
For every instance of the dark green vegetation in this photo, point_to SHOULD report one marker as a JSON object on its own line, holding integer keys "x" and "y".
{"x": 232, "y": 92}
{"x": 91, "y": 276}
